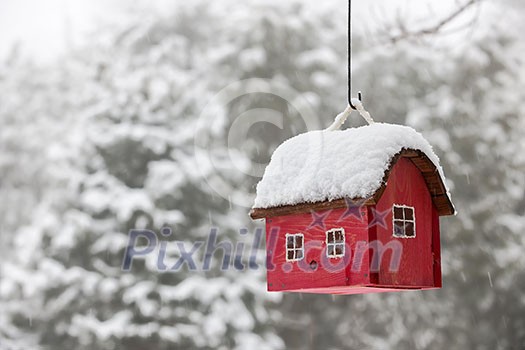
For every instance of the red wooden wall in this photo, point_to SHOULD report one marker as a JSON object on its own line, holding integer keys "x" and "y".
{"x": 330, "y": 272}
{"x": 406, "y": 186}
{"x": 436, "y": 248}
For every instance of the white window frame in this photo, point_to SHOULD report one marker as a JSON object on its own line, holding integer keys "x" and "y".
{"x": 403, "y": 220}
{"x": 335, "y": 244}
{"x": 294, "y": 249}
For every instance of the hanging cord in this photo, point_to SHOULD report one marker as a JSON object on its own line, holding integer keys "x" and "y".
{"x": 349, "y": 56}
{"x": 353, "y": 103}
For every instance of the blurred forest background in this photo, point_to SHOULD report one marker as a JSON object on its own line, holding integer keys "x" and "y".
{"x": 102, "y": 140}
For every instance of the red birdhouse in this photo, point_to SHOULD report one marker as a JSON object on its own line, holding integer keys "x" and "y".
{"x": 353, "y": 211}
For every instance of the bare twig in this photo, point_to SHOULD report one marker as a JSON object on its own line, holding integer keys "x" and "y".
{"x": 434, "y": 29}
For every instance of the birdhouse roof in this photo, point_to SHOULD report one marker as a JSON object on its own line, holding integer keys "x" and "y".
{"x": 319, "y": 169}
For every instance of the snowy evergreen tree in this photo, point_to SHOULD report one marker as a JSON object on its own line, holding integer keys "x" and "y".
{"x": 107, "y": 140}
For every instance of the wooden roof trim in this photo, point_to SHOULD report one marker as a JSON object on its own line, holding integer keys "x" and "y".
{"x": 429, "y": 171}
{"x": 434, "y": 182}
{"x": 259, "y": 213}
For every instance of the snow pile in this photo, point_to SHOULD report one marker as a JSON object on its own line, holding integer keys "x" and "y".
{"x": 327, "y": 165}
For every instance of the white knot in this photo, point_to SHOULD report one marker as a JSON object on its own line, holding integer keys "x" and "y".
{"x": 362, "y": 111}
{"x": 341, "y": 117}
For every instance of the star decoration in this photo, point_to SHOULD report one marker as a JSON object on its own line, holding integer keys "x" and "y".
{"x": 318, "y": 219}
{"x": 353, "y": 208}
{"x": 378, "y": 218}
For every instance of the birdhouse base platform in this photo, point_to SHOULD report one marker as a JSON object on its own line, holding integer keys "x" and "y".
{"x": 347, "y": 290}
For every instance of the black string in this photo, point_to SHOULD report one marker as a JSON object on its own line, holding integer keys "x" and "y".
{"x": 350, "y": 58}
{"x": 350, "y": 53}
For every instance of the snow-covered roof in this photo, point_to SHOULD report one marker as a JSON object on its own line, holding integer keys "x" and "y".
{"x": 327, "y": 165}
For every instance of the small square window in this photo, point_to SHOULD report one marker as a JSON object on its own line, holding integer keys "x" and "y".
{"x": 294, "y": 246}
{"x": 335, "y": 243}
{"x": 403, "y": 221}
